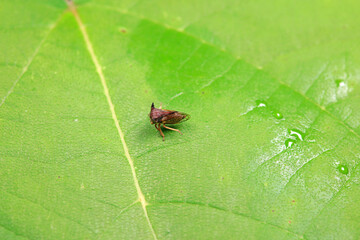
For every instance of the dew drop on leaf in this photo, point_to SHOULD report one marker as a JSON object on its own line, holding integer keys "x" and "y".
{"x": 297, "y": 133}
{"x": 343, "y": 169}
{"x": 278, "y": 115}
{"x": 289, "y": 143}
{"x": 260, "y": 103}
{"x": 342, "y": 88}
{"x": 340, "y": 83}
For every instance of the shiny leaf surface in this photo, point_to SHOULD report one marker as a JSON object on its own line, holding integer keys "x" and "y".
{"x": 271, "y": 149}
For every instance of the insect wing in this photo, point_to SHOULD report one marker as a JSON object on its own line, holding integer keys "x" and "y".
{"x": 185, "y": 116}
{"x": 174, "y": 117}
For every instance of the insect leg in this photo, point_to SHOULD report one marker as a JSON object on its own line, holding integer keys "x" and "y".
{"x": 171, "y": 129}
{"x": 158, "y": 127}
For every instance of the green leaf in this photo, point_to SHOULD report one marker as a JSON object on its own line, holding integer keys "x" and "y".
{"x": 271, "y": 149}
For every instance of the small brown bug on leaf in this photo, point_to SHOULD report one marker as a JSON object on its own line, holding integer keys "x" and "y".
{"x": 160, "y": 117}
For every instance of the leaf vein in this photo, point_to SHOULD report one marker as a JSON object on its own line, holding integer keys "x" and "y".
{"x": 112, "y": 110}
{"x": 232, "y": 212}
{"x": 51, "y": 211}
{"x": 333, "y": 197}
{"x": 223, "y": 50}
{"x": 26, "y": 67}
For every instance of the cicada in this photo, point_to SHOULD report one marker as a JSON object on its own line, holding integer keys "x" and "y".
{"x": 160, "y": 117}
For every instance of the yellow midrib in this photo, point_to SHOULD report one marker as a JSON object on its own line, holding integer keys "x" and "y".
{"x": 89, "y": 46}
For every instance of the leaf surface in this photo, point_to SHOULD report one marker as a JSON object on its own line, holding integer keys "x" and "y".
{"x": 270, "y": 152}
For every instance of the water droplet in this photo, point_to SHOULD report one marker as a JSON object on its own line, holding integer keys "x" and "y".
{"x": 278, "y": 115}
{"x": 343, "y": 169}
{"x": 340, "y": 83}
{"x": 289, "y": 142}
{"x": 260, "y": 103}
{"x": 342, "y": 88}
{"x": 297, "y": 133}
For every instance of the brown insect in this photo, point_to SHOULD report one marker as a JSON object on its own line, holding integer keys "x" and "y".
{"x": 160, "y": 117}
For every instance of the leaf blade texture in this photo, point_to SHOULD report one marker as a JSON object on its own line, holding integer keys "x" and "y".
{"x": 271, "y": 150}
